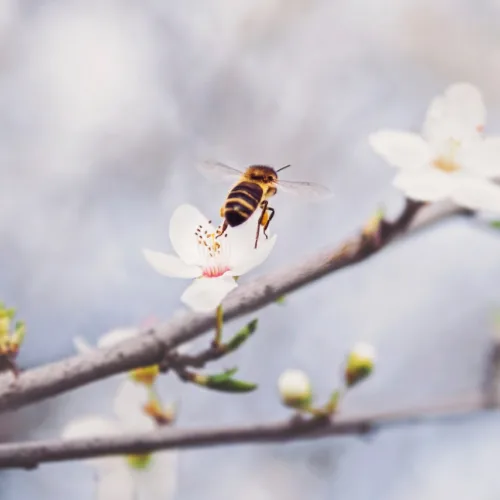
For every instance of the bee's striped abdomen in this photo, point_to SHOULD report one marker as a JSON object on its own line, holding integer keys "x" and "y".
{"x": 241, "y": 202}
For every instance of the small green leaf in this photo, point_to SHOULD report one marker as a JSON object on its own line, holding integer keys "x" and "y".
{"x": 281, "y": 300}
{"x": 495, "y": 224}
{"x": 221, "y": 377}
{"x": 241, "y": 336}
{"x": 230, "y": 385}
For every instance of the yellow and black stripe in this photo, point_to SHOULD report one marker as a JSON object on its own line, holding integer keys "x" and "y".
{"x": 241, "y": 202}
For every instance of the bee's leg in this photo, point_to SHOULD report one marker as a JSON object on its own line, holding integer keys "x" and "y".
{"x": 269, "y": 218}
{"x": 263, "y": 215}
{"x": 222, "y": 229}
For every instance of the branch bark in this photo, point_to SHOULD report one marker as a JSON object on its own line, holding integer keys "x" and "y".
{"x": 31, "y": 454}
{"x": 151, "y": 346}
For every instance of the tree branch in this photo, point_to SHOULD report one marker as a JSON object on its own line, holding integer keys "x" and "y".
{"x": 151, "y": 346}
{"x": 29, "y": 455}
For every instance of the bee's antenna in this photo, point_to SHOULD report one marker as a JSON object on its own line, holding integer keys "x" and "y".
{"x": 283, "y": 168}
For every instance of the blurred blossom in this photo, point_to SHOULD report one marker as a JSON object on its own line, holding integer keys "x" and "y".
{"x": 295, "y": 389}
{"x": 451, "y": 159}
{"x": 360, "y": 363}
{"x": 150, "y": 475}
{"x": 212, "y": 261}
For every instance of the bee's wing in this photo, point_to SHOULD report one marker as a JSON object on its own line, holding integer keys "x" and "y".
{"x": 306, "y": 190}
{"x": 218, "y": 171}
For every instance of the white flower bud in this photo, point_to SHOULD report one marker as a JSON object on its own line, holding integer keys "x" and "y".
{"x": 295, "y": 389}
{"x": 360, "y": 363}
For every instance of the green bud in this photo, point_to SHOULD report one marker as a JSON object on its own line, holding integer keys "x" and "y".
{"x": 223, "y": 382}
{"x": 241, "y": 336}
{"x": 281, "y": 300}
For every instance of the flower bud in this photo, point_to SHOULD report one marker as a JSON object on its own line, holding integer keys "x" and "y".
{"x": 360, "y": 363}
{"x": 295, "y": 389}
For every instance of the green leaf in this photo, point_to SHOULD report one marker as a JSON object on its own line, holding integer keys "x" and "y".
{"x": 222, "y": 377}
{"x": 230, "y": 385}
{"x": 241, "y": 336}
{"x": 495, "y": 224}
{"x": 281, "y": 300}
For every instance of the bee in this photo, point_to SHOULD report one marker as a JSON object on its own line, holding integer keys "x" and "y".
{"x": 252, "y": 191}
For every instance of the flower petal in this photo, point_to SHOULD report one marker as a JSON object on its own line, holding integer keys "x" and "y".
{"x": 116, "y": 336}
{"x": 93, "y": 426}
{"x": 477, "y": 194}
{"x": 159, "y": 480}
{"x": 205, "y": 294}
{"x": 171, "y": 266}
{"x": 459, "y": 114}
{"x": 424, "y": 185}
{"x": 116, "y": 484}
{"x": 254, "y": 257}
{"x": 185, "y": 219}
{"x": 401, "y": 149}
{"x": 128, "y": 406}
{"x": 81, "y": 345}
{"x": 481, "y": 157}
{"x": 89, "y": 426}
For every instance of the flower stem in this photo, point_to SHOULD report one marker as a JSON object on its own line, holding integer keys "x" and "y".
{"x": 219, "y": 322}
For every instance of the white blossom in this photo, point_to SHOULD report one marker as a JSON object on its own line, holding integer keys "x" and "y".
{"x": 146, "y": 476}
{"x": 212, "y": 262}
{"x": 451, "y": 159}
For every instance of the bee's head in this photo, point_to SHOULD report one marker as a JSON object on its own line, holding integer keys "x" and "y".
{"x": 262, "y": 173}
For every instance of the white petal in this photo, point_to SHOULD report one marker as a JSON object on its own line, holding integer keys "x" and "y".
{"x": 254, "y": 257}
{"x": 477, "y": 194}
{"x": 459, "y": 114}
{"x": 81, "y": 345}
{"x": 170, "y": 265}
{"x": 205, "y": 294}
{"x": 128, "y": 406}
{"x": 93, "y": 426}
{"x": 183, "y": 224}
{"x": 426, "y": 185}
{"x": 239, "y": 246}
{"x": 401, "y": 149}
{"x": 116, "y": 336}
{"x": 481, "y": 157}
{"x": 116, "y": 484}
{"x": 159, "y": 480}
{"x": 89, "y": 426}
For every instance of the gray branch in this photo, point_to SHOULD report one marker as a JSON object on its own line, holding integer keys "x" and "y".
{"x": 151, "y": 346}
{"x": 31, "y": 454}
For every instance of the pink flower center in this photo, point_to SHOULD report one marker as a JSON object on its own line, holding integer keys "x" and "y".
{"x": 215, "y": 271}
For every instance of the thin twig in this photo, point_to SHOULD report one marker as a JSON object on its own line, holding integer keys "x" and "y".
{"x": 151, "y": 346}
{"x": 31, "y": 454}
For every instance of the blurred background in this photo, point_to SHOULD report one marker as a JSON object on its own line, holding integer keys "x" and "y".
{"x": 106, "y": 105}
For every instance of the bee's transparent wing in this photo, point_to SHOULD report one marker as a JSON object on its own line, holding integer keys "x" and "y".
{"x": 218, "y": 171}
{"x": 307, "y": 190}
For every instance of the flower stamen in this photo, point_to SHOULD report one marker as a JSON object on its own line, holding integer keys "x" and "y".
{"x": 446, "y": 164}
